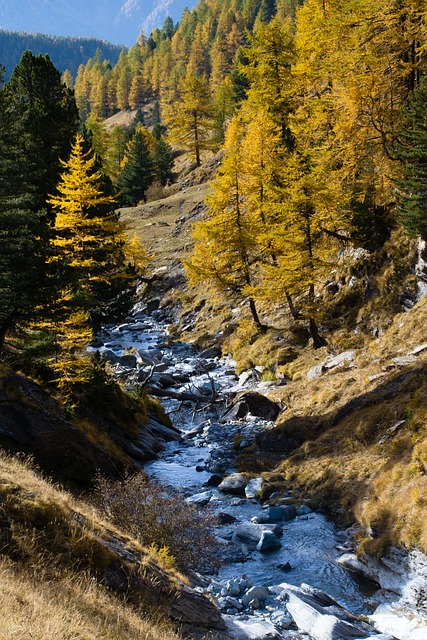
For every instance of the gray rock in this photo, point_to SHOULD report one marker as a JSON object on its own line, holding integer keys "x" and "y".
{"x": 253, "y": 487}
{"x": 211, "y": 352}
{"x": 214, "y": 480}
{"x": 249, "y": 532}
{"x": 341, "y": 358}
{"x": 259, "y": 593}
{"x": 255, "y": 604}
{"x": 200, "y": 498}
{"x": 316, "y": 613}
{"x": 250, "y": 629}
{"x": 402, "y": 361}
{"x": 316, "y": 371}
{"x": 304, "y": 510}
{"x": 110, "y": 356}
{"x": 268, "y": 542}
{"x": 233, "y": 587}
{"x": 234, "y": 484}
{"x": 234, "y": 603}
{"x": 417, "y": 350}
{"x": 277, "y": 514}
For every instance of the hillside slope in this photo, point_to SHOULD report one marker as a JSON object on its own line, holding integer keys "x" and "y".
{"x": 67, "y": 573}
{"x": 353, "y": 433}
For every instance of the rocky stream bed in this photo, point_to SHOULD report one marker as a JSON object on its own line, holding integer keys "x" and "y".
{"x": 286, "y": 571}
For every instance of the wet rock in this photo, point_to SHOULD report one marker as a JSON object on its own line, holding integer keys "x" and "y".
{"x": 253, "y": 487}
{"x": 259, "y": 593}
{"x": 211, "y": 352}
{"x": 234, "y": 484}
{"x": 129, "y": 361}
{"x": 234, "y": 603}
{"x": 250, "y": 629}
{"x": 214, "y": 480}
{"x": 304, "y": 510}
{"x": 277, "y": 514}
{"x": 249, "y": 532}
{"x": 199, "y": 498}
{"x": 268, "y": 542}
{"x": 225, "y": 518}
{"x": 316, "y": 613}
{"x": 110, "y": 356}
{"x": 166, "y": 381}
{"x": 285, "y": 566}
{"x": 254, "y": 403}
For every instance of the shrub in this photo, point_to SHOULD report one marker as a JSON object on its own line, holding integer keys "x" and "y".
{"x": 158, "y": 517}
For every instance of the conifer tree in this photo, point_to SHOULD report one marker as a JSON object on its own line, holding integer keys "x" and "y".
{"x": 189, "y": 120}
{"x": 226, "y": 242}
{"x": 138, "y": 171}
{"x": 89, "y": 247}
{"x": 163, "y": 162}
{"x": 24, "y": 282}
{"x": 47, "y": 112}
{"x": 412, "y": 153}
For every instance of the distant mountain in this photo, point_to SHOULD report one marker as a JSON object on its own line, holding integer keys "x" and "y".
{"x": 118, "y": 21}
{"x": 65, "y": 53}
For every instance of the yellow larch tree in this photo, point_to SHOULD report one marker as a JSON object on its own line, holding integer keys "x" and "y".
{"x": 89, "y": 245}
{"x": 225, "y": 243}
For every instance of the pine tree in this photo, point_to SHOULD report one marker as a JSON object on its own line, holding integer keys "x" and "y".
{"x": 24, "y": 282}
{"x": 163, "y": 162}
{"x": 47, "y": 113}
{"x": 138, "y": 172}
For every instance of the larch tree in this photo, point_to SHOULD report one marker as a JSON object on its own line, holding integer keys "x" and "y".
{"x": 190, "y": 120}
{"x": 89, "y": 247}
{"x": 225, "y": 241}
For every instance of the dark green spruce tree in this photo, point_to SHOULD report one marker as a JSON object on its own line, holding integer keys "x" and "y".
{"x": 412, "y": 154}
{"x": 48, "y": 117}
{"x": 163, "y": 162}
{"x": 24, "y": 281}
{"x": 138, "y": 171}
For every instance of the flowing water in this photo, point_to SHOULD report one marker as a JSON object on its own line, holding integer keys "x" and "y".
{"x": 310, "y": 543}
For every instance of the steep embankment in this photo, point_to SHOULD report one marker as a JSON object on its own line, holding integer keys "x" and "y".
{"x": 67, "y": 573}
{"x": 109, "y": 432}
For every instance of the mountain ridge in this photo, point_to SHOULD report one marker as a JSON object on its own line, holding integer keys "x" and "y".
{"x": 118, "y": 21}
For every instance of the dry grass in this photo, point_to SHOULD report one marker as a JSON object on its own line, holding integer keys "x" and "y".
{"x": 68, "y": 607}
{"x": 342, "y": 464}
{"x": 56, "y": 559}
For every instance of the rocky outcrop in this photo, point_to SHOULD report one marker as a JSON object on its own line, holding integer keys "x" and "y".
{"x": 34, "y": 423}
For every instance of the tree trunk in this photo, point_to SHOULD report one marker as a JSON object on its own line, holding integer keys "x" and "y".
{"x": 294, "y": 312}
{"x": 318, "y": 340}
{"x": 5, "y": 326}
{"x": 255, "y": 316}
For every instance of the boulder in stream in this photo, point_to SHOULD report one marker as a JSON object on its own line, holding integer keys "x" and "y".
{"x": 268, "y": 542}
{"x": 254, "y": 403}
{"x": 234, "y": 484}
{"x": 316, "y": 613}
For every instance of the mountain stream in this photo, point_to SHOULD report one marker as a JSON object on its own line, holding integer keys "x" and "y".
{"x": 310, "y": 545}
